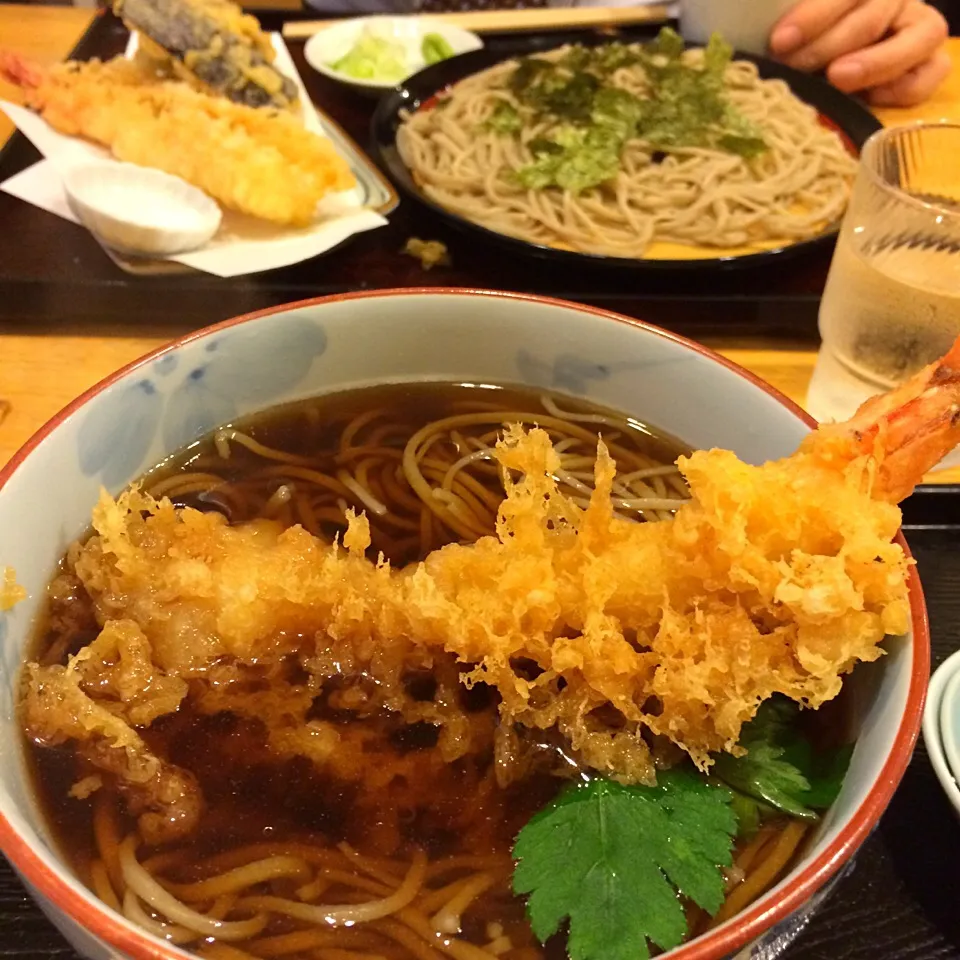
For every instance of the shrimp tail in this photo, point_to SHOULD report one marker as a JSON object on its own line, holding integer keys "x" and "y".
{"x": 19, "y": 71}
{"x": 907, "y": 431}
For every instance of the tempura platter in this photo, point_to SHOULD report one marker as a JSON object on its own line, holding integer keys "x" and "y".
{"x": 243, "y": 245}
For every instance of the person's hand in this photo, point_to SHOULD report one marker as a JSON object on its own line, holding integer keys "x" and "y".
{"x": 890, "y": 49}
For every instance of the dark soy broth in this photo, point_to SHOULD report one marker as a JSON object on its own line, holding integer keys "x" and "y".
{"x": 405, "y": 797}
{"x": 339, "y": 433}
{"x": 385, "y": 795}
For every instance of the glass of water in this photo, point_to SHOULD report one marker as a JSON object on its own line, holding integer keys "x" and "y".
{"x": 892, "y": 299}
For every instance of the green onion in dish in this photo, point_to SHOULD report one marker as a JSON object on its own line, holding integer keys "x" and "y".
{"x": 374, "y": 58}
{"x": 436, "y": 48}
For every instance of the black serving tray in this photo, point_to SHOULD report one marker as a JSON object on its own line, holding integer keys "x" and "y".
{"x": 54, "y": 275}
{"x": 899, "y": 902}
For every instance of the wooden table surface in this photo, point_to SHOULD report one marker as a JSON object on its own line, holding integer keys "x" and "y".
{"x": 39, "y": 374}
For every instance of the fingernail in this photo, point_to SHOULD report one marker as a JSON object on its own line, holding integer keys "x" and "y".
{"x": 785, "y": 38}
{"x": 847, "y": 73}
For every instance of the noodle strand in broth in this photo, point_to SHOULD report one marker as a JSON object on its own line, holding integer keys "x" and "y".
{"x": 435, "y": 480}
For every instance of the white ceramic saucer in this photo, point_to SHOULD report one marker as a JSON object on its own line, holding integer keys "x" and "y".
{"x": 950, "y": 723}
{"x": 943, "y": 677}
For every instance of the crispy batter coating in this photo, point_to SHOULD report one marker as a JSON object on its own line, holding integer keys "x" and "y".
{"x": 591, "y": 628}
{"x": 11, "y": 593}
{"x": 257, "y": 161}
{"x": 96, "y": 700}
{"x": 211, "y": 43}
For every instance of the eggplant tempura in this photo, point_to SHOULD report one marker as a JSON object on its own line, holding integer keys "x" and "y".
{"x": 211, "y": 43}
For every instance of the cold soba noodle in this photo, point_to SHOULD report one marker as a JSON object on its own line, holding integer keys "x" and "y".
{"x": 311, "y": 808}
{"x": 640, "y": 145}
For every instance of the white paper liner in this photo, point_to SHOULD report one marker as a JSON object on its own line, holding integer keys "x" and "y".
{"x": 243, "y": 244}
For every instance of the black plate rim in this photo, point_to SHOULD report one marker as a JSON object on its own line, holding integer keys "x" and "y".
{"x": 848, "y": 114}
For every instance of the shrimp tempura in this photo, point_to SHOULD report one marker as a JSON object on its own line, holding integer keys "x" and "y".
{"x": 261, "y": 162}
{"x": 594, "y": 631}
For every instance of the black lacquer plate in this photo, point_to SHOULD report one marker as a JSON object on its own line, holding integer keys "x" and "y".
{"x": 844, "y": 113}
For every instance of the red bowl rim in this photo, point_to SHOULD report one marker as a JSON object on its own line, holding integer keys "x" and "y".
{"x": 746, "y": 926}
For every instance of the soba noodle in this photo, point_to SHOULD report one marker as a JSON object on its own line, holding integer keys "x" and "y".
{"x": 686, "y": 195}
{"x": 387, "y": 908}
{"x": 436, "y": 479}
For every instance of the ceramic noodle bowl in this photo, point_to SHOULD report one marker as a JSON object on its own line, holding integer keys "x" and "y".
{"x": 152, "y": 408}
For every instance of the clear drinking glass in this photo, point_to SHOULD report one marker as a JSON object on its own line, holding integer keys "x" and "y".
{"x": 892, "y": 300}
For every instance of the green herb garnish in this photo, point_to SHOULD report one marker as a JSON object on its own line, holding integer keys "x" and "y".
{"x": 744, "y": 146}
{"x": 575, "y": 159}
{"x": 669, "y": 43}
{"x": 781, "y": 767}
{"x": 435, "y": 48}
{"x": 505, "y": 119}
{"x": 566, "y": 96}
{"x": 612, "y": 860}
{"x": 686, "y": 107}
{"x": 616, "y": 110}
{"x": 750, "y": 814}
{"x": 527, "y": 72}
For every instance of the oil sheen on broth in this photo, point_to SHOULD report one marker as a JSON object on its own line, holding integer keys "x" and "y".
{"x": 305, "y": 463}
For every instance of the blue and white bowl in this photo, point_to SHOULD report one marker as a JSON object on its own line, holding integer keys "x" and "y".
{"x": 150, "y": 409}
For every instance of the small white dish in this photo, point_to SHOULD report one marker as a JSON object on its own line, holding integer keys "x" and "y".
{"x": 950, "y": 723}
{"x": 140, "y": 211}
{"x": 945, "y": 673}
{"x": 331, "y": 43}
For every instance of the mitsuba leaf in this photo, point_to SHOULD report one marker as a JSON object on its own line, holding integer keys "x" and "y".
{"x": 826, "y": 776}
{"x": 772, "y": 721}
{"x": 748, "y": 813}
{"x": 781, "y": 768}
{"x": 764, "y": 775}
{"x": 824, "y": 769}
{"x": 612, "y": 859}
